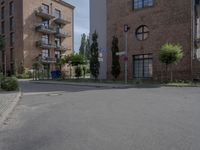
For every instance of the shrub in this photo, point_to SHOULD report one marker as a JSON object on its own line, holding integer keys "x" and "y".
{"x": 9, "y": 84}
{"x": 1, "y": 77}
{"x": 78, "y": 72}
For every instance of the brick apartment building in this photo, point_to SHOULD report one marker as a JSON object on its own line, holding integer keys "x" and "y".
{"x": 35, "y": 29}
{"x": 152, "y": 23}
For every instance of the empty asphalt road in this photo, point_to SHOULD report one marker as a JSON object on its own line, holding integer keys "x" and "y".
{"x": 61, "y": 117}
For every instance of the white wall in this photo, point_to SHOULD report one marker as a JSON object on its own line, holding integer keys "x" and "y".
{"x": 98, "y": 22}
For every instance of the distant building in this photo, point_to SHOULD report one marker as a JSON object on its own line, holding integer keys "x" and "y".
{"x": 152, "y": 23}
{"x": 98, "y": 23}
{"x": 35, "y": 29}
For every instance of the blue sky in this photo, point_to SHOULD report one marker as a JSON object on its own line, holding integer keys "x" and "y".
{"x": 81, "y": 19}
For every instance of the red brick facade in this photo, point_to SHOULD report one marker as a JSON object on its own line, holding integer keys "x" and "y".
{"x": 167, "y": 20}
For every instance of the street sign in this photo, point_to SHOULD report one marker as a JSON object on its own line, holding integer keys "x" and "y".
{"x": 100, "y": 59}
{"x": 125, "y": 58}
{"x": 120, "y": 53}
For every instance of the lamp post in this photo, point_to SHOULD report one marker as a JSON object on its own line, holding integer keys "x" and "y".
{"x": 126, "y": 29}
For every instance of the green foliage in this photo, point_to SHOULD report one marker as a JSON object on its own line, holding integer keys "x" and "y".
{"x": 9, "y": 84}
{"x": 77, "y": 59}
{"x": 116, "y": 69}
{"x": 87, "y": 55}
{"x": 74, "y": 59}
{"x": 78, "y": 72}
{"x": 1, "y": 76}
{"x": 94, "y": 52}
{"x": 170, "y": 54}
{"x": 83, "y": 44}
{"x": 26, "y": 75}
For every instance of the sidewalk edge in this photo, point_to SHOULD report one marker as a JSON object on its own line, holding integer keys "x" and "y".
{"x": 6, "y": 114}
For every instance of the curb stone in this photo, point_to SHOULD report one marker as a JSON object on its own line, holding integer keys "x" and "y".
{"x": 11, "y": 108}
{"x": 85, "y": 84}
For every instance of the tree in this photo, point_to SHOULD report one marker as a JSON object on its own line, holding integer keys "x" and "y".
{"x": 94, "y": 56}
{"x": 77, "y": 59}
{"x": 78, "y": 71}
{"x": 116, "y": 69}
{"x": 82, "y": 48}
{"x": 170, "y": 54}
{"x": 87, "y": 49}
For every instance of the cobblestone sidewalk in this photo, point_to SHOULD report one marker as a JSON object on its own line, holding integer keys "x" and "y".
{"x": 7, "y": 102}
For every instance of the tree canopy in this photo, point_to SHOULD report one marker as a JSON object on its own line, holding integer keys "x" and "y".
{"x": 94, "y": 56}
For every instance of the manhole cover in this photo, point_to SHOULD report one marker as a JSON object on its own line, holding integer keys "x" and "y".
{"x": 54, "y": 94}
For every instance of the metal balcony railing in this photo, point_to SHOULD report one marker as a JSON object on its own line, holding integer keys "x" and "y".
{"x": 62, "y": 48}
{"x": 62, "y": 20}
{"x": 42, "y": 44}
{"x": 45, "y": 29}
{"x": 61, "y": 34}
{"x": 49, "y": 60}
{"x": 42, "y": 13}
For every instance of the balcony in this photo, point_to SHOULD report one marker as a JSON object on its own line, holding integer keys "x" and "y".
{"x": 44, "y": 29}
{"x": 61, "y": 34}
{"x": 62, "y": 20}
{"x": 49, "y": 60}
{"x": 44, "y": 14}
{"x": 42, "y": 44}
{"x": 61, "y": 48}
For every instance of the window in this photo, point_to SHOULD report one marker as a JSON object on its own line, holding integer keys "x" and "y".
{"x": 58, "y": 41}
{"x": 2, "y": 3}
{"x": 57, "y": 54}
{"x": 11, "y": 8}
{"x": 138, "y": 4}
{"x": 142, "y": 33}
{"x": 45, "y": 39}
{"x": 11, "y": 39}
{"x": 45, "y": 8}
{"x": 2, "y": 27}
{"x": 2, "y": 13}
{"x": 57, "y": 13}
{"x": 45, "y": 53}
{"x": 58, "y": 28}
{"x": 143, "y": 66}
{"x": 11, "y": 24}
{"x": 45, "y": 23}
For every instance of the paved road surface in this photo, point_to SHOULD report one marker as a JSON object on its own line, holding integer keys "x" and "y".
{"x": 61, "y": 117}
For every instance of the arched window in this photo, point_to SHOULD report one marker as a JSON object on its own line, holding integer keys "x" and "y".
{"x": 142, "y": 32}
{"x": 138, "y": 4}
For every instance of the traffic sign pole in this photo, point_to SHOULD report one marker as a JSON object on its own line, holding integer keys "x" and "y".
{"x": 126, "y": 29}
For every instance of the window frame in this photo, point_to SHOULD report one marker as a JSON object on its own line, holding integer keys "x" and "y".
{"x": 45, "y": 53}
{"x": 11, "y": 8}
{"x": 44, "y": 6}
{"x": 142, "y": 33}
{"x": 143, "y": 6}
{"x": 142, "y": 58}
{"x": 59, "y": 13}
{"x": 2, "y": 13}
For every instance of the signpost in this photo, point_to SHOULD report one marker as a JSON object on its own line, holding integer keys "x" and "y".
{"x": 120, "y": 53}
{"x": 126, "y": 29}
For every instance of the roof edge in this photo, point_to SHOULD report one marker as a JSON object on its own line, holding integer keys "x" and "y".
{"x": 64, "y": 3}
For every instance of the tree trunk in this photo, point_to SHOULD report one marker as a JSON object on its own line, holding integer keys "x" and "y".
{"x": 166, "y": 68}
{"x": 171, "y": 75}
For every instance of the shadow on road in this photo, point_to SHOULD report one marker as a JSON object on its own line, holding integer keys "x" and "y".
{"x": 30, "y": 87}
